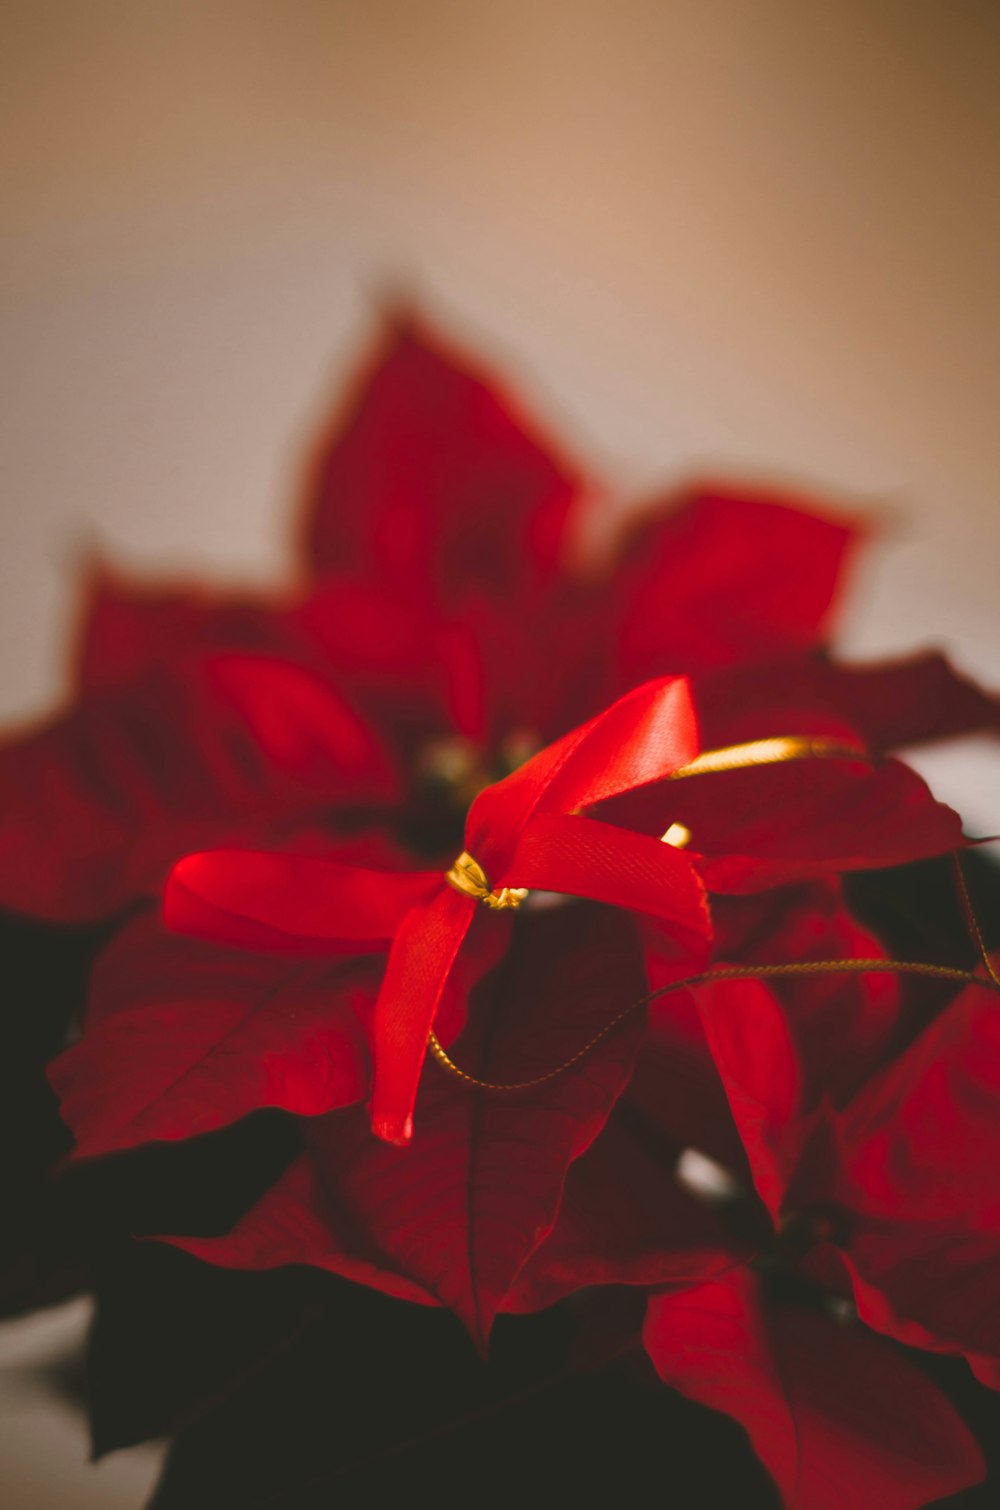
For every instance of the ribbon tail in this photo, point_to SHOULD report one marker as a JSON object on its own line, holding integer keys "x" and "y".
{"x": 586, "y": 858}
{"x": 289, "y": 903}
{"x": 420, "y": 962}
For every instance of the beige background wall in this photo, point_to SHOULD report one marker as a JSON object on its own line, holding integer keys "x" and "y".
{"x": 752, "y": 233}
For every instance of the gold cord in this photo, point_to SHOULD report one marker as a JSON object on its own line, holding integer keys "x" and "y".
{"x": 726, "y": 972}
{"x": 971, "y": 920}
{"x": 774, "y": 751}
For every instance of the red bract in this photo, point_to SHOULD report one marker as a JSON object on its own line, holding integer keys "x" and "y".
{"x": 836, "y": 1416}
{"x": 915, "y": 1176}
{"x": 433, "y": 486}
{"x": 183, "y": 1038}
{"x": 97, "y": 807}
{"x": 848, "y": 1022}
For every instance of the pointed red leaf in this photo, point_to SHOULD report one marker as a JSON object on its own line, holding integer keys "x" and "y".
{"x": 882, "y": 706}
{"x": 130, "y": 626}
{"x": 842, "y": 1024}
{"x": 828, "y": 1032}
{"x": 918, "y": 1160}
{"x": 95, "y": 808}
{"x": 727, "y": 576}
{"x": 774, "y": 825}
{"x": 675, "y": 1054}
{"x": 297, "y": 1223}
{"x": 784, "y": 1047}
{"x": 623, "y": 1220}
{"x": 183, "y": 1038}
{"x": 837, "y": 1418}
{"x": 907, "y": 701}
{"x": 432, "y": 482}
{"x": 463, "y": 1208}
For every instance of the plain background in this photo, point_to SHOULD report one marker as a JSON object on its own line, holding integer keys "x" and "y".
{"x": 760, "y": 238}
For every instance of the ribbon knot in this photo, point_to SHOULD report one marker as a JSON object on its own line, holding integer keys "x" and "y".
{"x": 469, "y": 877}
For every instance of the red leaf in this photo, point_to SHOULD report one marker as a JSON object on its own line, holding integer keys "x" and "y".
{"x": 95, "y": 808}
{"x": 624, "y": 1219}
{"x": 839, "y": 1420}
{"x": 297, "y": 1223}
{"x": 918, "y": 1160}
{"x": 433, "y": 484}
{"x": 726, "y": 577}
{"x": 921, "y": 1139}
{"x": 784, "y": 1048}
{"x": 773, "y": 825}
{"x": 903, "y": 702}
{"x": 883, "y": 706}
{"x": 842, "y": 1025}
{"x": 130, "y": 627}
{"x": 183, "y": 1038}
{"x": 675, "y": 1054}
{"x": 753, "y": 1052}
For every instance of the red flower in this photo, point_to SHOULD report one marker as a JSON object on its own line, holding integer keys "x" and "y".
{"x": 334, "y": 740}
{"x": 445, "y": 632}
{"x": 182, "y": 1039}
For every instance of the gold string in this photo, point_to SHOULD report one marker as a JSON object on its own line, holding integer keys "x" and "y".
{"x": 971, "y": 920}
{"x": 726, "y": 972}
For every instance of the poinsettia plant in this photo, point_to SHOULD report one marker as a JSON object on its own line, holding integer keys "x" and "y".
{"x": 483, "y": 989}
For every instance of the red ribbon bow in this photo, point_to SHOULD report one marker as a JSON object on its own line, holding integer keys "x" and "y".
{"x": 523, "y": 832}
